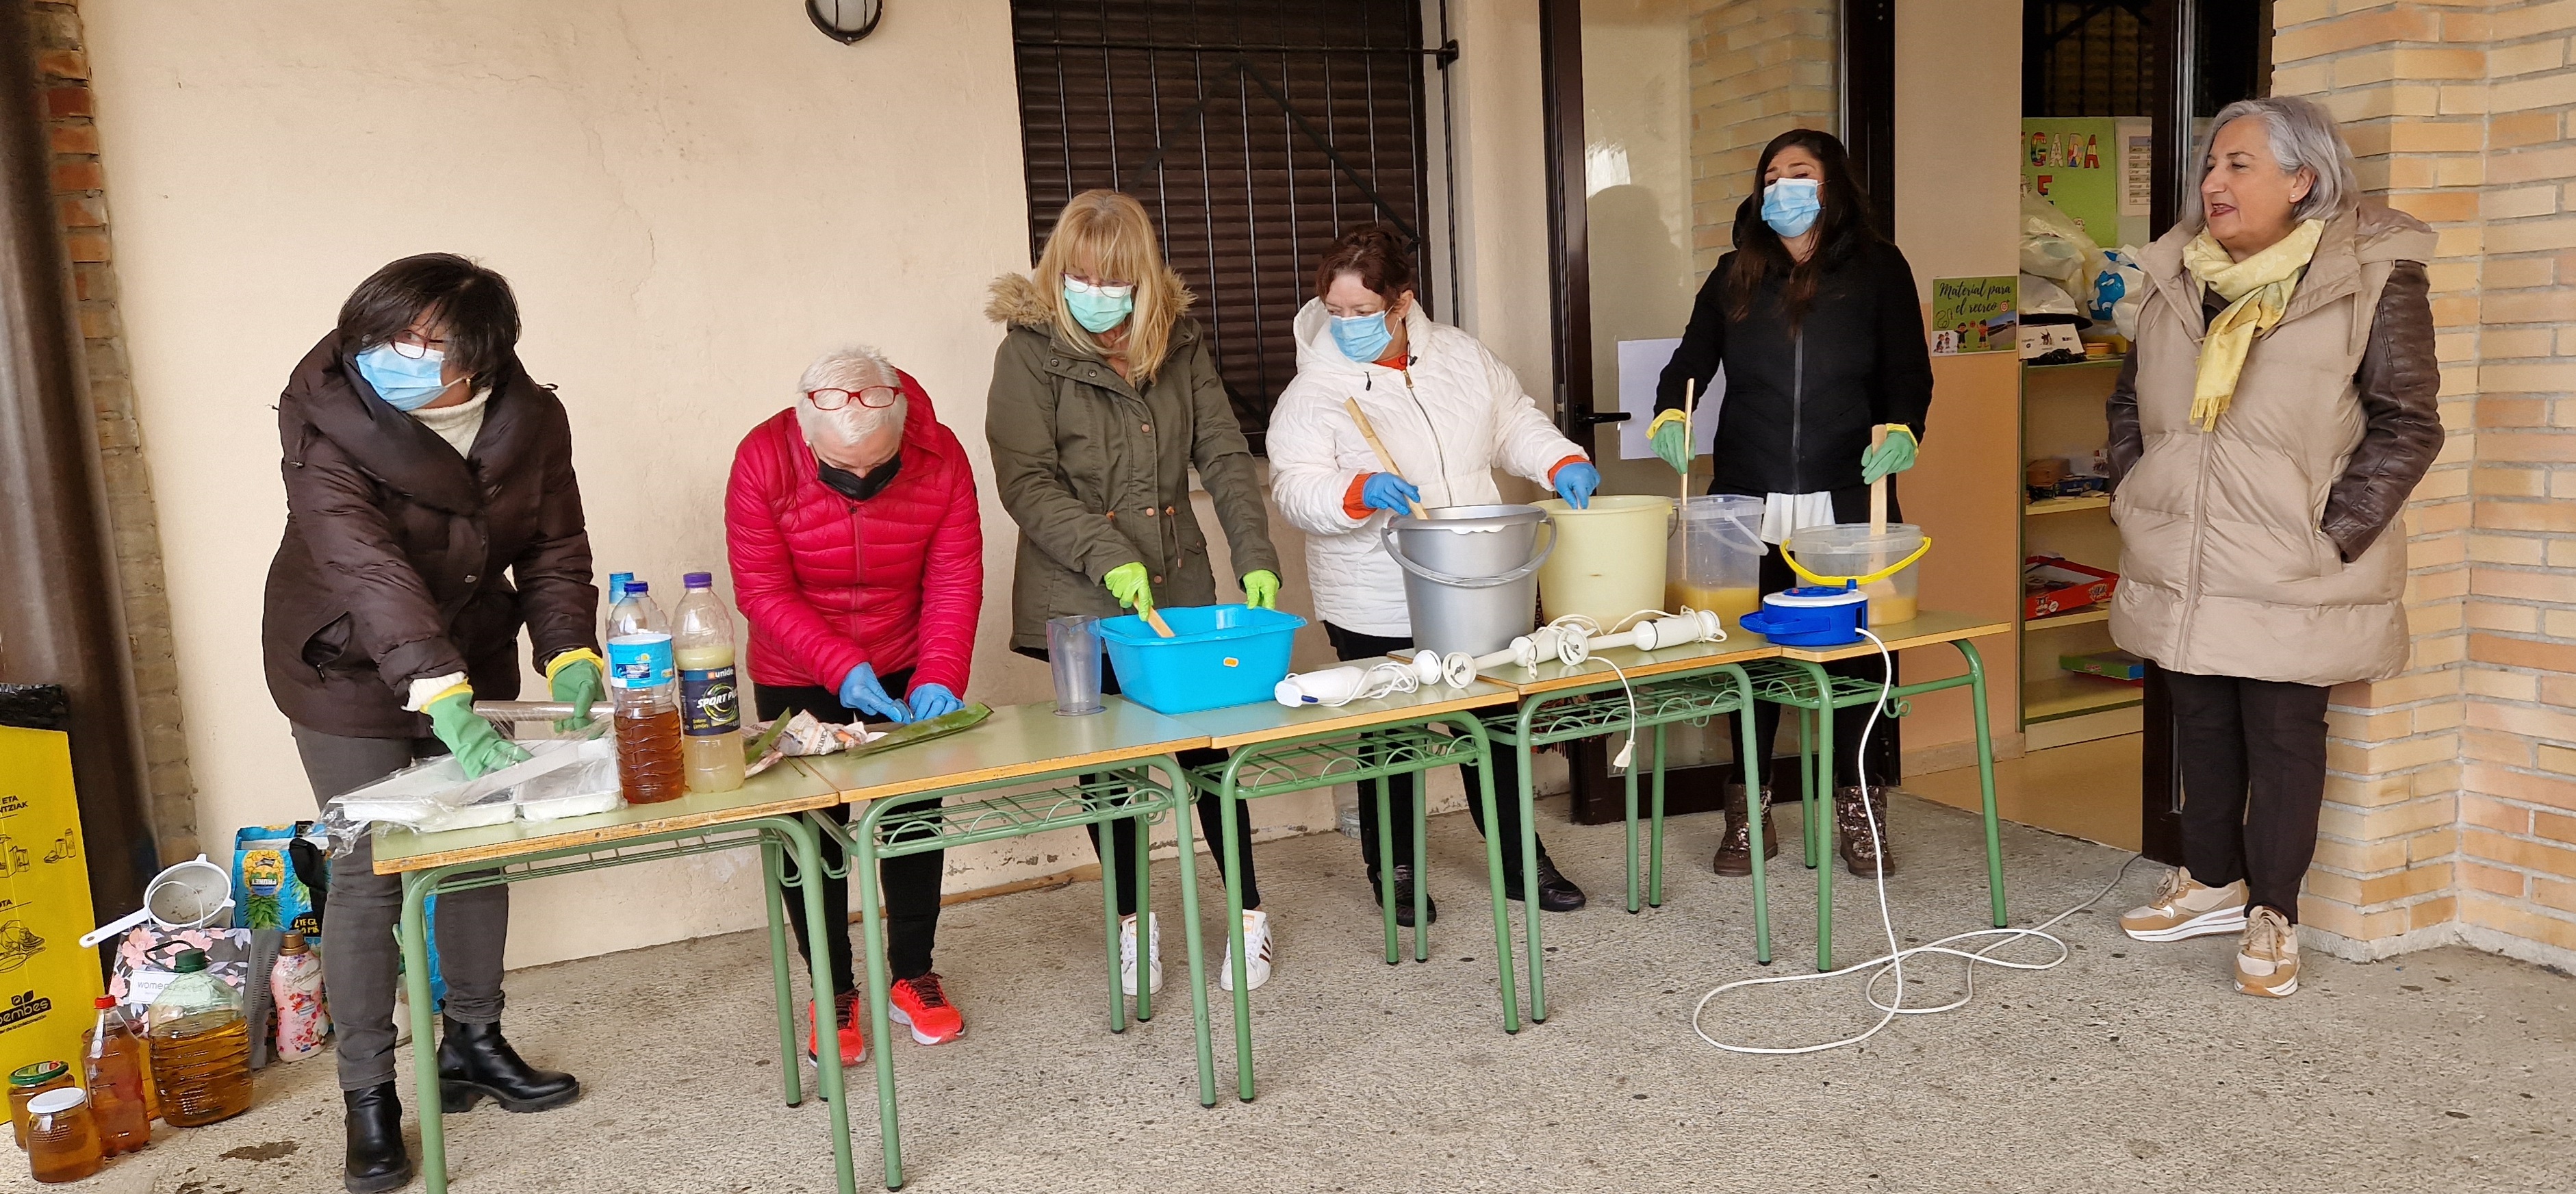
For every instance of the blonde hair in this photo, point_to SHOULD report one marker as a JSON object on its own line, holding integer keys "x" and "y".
{"x": 1110, "y": 232}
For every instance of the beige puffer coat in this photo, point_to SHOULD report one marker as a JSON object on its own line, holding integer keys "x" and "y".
{"x": 2227, "y": 566}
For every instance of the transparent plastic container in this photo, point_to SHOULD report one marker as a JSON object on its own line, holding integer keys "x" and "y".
{"x": 644, "y": 683}
{"x": 710, "y": 697}
{"x": 1715, "y": 558}
{"x": 1848, "y": 550}
{"x": 113, "y": 1071}
{"x": 200, "y": 1046}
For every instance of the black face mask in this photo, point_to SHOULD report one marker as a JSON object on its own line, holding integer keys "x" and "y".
{"x": 855, "y": 487}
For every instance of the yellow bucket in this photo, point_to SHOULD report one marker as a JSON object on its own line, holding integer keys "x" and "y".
{"x": 1609, "y": 558}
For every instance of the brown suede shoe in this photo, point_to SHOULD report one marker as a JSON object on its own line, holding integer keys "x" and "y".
{"x": 1735, "y": 849}
{"x": 1861, "y": 855}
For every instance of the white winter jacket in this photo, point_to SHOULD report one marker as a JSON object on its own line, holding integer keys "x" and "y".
{"x": 1449, "y": 420}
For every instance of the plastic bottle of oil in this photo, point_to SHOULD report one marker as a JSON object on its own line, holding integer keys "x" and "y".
{"x": 115, "y": 1079}
{"x": 710, "y": 710}
{"x": 200, "y": 1046}
{"x": 645, "y": 686}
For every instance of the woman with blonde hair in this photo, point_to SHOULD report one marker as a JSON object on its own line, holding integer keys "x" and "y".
{"x": 1105, "y": 396}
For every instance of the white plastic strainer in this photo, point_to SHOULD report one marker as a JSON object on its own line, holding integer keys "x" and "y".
{"x": 191, "y": 895}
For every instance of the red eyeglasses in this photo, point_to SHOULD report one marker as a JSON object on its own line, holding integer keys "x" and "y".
{"x": 872, "y": 397}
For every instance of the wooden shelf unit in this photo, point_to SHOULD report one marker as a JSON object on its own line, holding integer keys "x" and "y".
{"x": 2062, "y": 413}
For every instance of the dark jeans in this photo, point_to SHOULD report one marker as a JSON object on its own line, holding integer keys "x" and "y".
{"x": 1848, "y": 723}
{"x": 2253, "y": 761}
{"x": 1128, "y": 838}
{"x": 362, "y": 964}
{"x": 909, "y": 882}
{"x": 1350, "y": 646}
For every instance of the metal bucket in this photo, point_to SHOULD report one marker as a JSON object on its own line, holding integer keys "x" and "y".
{"x": 1470, "y": 574}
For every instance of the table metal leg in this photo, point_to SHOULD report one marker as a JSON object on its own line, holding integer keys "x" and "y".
{"x": 1484, "y": 796}
{"x": 1177, "y": 788}
{"x": 1986, "y": 780}
{"x": 1528, "y": 797}
{"x": 1807, "y": 820}
{"x": 1230, "y": 815}
{"x": 1144, "y": 880}
{"x": 1825, "y": 829}
{"x": 1655, "y": 835}
{"x": 417, "y": 886}
{"x": 1628, "y": 840}
{"x": 1760, "y": 820}
{"x": 1109, "y": 831}
{"x": 772, "y": 903}
{"x": 1386, "y": 867}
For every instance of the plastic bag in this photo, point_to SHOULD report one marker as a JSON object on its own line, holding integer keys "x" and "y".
{"x": 586, "y": 784}
{"x": 2121, "y": 292}
{"x": 275, "y": 882}
{"x": 2053, "y": 247}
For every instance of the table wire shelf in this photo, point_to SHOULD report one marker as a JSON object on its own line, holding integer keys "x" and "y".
{"x": 1295, "y": 766}
{"x": 1591, "y": 714}
{"x": 918, "y": 828}
{"x": 1791, "y": 684}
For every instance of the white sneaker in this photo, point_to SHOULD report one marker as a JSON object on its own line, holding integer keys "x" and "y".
{"x": 2184, "y": 908}
{"x": 1256, "y": 949}
{"x": 1153, "y": 954}
{"x": 2267, "y": 958}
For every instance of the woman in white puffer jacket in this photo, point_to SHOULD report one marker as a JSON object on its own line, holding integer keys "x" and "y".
{"x": 1449, "y": 413}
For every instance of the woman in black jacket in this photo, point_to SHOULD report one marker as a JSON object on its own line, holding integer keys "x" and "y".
{"x": 1816, "y": 321}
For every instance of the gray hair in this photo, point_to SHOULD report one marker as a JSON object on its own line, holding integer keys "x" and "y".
{"x": 851, "y": 368}
{"x": 2303, "y": 136}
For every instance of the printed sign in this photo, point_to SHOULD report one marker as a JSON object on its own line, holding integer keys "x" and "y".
{"x": 46, "y": 979}
{"x": 1973, "y": 315}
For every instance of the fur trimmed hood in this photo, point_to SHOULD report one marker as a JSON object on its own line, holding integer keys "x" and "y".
{"x": 1016, "y": 301}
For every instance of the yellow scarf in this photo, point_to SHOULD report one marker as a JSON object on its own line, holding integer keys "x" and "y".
{"x": 2257, "y": 291}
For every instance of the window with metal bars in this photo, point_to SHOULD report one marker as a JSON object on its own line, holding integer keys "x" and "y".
{"x": 2088, "y": 57}
{"x": 1254, "y": 133}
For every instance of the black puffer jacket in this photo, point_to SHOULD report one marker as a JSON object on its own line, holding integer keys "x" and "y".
{"x": 392, "y": 565}
{"x": 1800, "y": 401}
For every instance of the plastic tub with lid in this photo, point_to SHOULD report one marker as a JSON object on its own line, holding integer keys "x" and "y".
{"x": 1883, "y": 565}
{"x": 1218, "y": 655}
{"x": 1609, "y": 557}
{"x": 1714, "y": 561}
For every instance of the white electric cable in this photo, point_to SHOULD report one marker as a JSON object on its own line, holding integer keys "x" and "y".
{"x": 1893, "y": 961}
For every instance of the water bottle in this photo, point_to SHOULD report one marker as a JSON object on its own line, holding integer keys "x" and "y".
{"x": 645, "y": 689}
{"x": 632, "y": 610}
{"x": 710, "y": 709}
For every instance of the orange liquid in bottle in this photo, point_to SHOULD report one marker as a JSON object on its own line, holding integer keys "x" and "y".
{"x": 203, "y": 1063}
{"x": 650, "y": 767}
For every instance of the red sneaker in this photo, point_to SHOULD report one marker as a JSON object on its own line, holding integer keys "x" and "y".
{"x": 854, "y": 1037}
{"x": 921, "y": 1004}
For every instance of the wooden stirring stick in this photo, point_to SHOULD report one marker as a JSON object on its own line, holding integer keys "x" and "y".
{"x": 1384, "y": 461}
{"x": 1154, "y": 618}
{"x": 1878, "y": 488}
{"x": 1690, "y": 398}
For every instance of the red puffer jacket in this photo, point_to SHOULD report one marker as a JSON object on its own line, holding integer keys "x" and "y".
{"x": 827, "y": 584}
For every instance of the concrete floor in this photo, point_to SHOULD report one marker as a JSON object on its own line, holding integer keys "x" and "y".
{"x": 2129, "y": 1068}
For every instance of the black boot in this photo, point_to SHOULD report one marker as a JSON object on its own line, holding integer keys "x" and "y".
{"x": 474, "y": 1063}
{"x": 1404, "y": 896}
{"x": 1861, "y": 854}
{"x": 1735, "y": 847}
{"x": 377, "y": 1159}
{"x": 1556, "y": 893}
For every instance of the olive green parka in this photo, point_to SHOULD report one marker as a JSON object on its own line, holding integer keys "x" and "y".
{"x": 1097, "y": 471}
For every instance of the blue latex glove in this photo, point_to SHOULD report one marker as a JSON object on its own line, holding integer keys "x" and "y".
{"x": 1575, "y": 483}
{"x": 860, "y": 691}
{"x": 931, "y": 700}
{"x": 1386, "y": 491}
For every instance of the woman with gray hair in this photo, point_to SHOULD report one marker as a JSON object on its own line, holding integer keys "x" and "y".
{"x": 858, "y": 559}
{"x": 2276, "y": 410}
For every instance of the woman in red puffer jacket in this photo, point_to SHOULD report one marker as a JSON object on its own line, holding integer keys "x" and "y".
{"x": 858, "y": 558}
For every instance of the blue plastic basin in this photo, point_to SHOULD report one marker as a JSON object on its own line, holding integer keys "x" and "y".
{"x": 1218, "y": 655}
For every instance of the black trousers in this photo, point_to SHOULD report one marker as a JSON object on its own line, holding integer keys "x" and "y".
{"x": 2253, "y": 761}
{"x": 910, "y": 882}
{"x": 1351, "y": 645}
{"x": 1128, "y": 839}
{"x": 1848, "y": 723}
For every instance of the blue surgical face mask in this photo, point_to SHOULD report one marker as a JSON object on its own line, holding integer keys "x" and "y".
{"x": 1791, "y": 205}
{"x": 1363, "y": 337}
{"x": 405, "y": 382}
{"x": 1098, "y": 308}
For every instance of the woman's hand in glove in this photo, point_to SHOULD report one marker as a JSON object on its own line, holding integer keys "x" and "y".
{"x": 1128, "y": 583}
{"x": 932, "y": 700}
{"x": 478, "y": 747}
{"x": 1575, "y": 483}
{"x": 1261, "y": 589}
{"x": 861, "y": 691}
{"x": 1895, "y": 454}
{"x": 1670, "y": 438}
{"x": 1391, "y": 493}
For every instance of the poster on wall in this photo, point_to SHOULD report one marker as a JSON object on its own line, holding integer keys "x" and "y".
{"x": 2077, "y": 164}
{"x": 1973, "y": 315}
{"x": 1641, "y": 365}
{"x": 46, "y": 979}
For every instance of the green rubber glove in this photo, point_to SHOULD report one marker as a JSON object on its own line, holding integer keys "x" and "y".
{"x": 573, "y": 679}
{"x": 1895, "y": 454}
{"x": 1671, "y": 440}
{"x": 1129, "y": 584}
{"x": 478, "y": 747}
{"x": 1261, "y": 589}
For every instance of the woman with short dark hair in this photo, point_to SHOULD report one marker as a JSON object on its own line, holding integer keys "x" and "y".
{"x": 1817, "y": 323}
{"x": 2278, "y": 408}
{"x": 421, "y": 464}
{"x": 1450, "y": 413}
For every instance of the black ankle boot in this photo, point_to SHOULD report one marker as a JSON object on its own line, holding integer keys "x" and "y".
{"x": 1404, "y": 897}
{"x": 474, "y": 1063}
{"x": 1556, "y": 893}
{"x": 1735, "y": 845}
{"x": 377, "y": 1159}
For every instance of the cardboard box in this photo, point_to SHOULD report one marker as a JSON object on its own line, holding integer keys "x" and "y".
{"x": 2056, "y": 585}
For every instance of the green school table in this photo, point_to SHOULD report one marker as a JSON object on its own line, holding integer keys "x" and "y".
{"x": 1277, "y": 750}
{"x": 765, "y": 812}
{"x": 1110, "y": 757}
{"x": 1564, "y": 702}
{"x": 1797, "y": 679}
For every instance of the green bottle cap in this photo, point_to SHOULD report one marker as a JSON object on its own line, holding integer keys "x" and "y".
{"x": 38, "y": 1073}
{"x": 190, "y": 961}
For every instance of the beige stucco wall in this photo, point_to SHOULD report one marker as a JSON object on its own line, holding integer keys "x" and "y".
{"x": 692, "y": 201}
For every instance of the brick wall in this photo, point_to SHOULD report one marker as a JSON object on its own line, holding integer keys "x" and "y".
{"x": 2451, "y": 808}
{"x": 1758, "y": 69}
{"x": 82, "y": 203}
